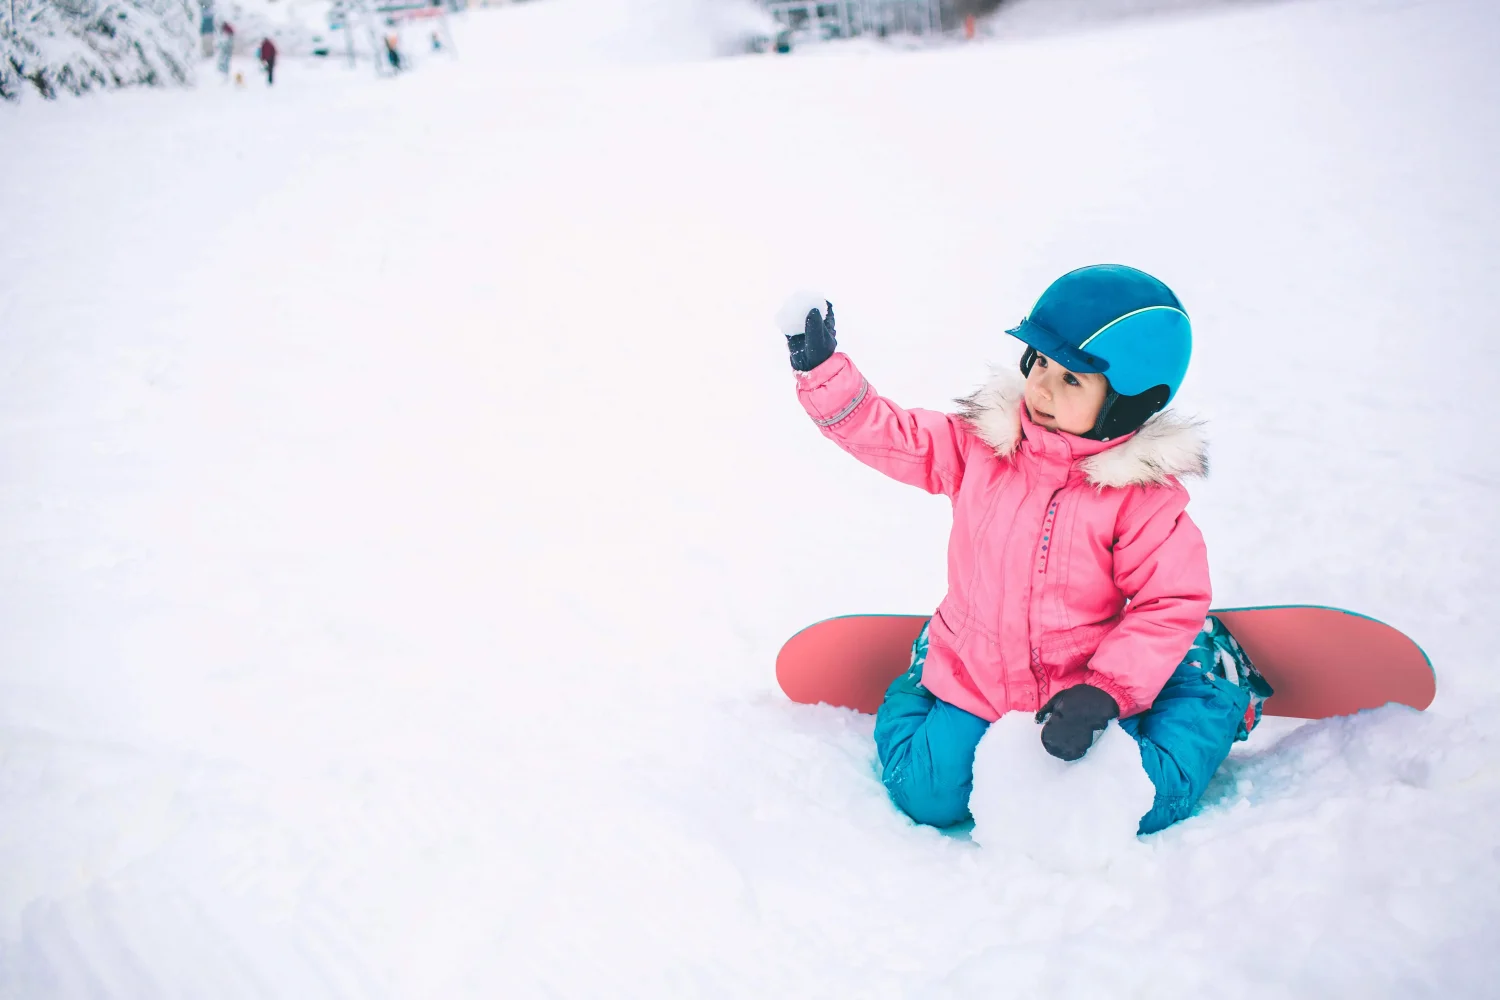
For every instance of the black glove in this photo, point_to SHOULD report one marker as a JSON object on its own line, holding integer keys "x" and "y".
{"x": 816, "y": 343}
{"x": 1073, "y": 718}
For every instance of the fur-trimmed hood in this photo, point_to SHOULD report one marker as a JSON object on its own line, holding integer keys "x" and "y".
{"x": 1166, "y": 446}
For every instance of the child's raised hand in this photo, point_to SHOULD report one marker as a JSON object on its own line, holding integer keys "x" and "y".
{"x": 809, "y": 330}
{"x": 1073, "y": 718}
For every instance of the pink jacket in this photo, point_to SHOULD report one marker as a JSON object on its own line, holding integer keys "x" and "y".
{"x": 1071, "y": 561}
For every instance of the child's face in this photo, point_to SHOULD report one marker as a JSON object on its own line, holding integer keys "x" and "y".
{"x": 1060, "y": 400}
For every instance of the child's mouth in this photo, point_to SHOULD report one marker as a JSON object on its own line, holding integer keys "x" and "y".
{"x": 1037, "y": 414}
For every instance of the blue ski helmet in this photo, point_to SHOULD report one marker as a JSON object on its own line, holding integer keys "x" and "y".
{"x": 1121, "y": 323}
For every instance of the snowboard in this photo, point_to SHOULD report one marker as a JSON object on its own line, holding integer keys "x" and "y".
{"x": 1321, "y": 661}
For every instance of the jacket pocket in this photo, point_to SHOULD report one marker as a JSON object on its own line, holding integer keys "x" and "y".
{"x": 1065, "y": 651}
{"x": 943, "y": 631}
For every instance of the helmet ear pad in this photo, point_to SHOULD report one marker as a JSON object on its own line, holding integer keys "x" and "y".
{"x": 1121, "y": 415}
{"x": 1027, "y": 360}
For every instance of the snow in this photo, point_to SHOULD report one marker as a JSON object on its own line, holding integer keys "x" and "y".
{"x": 395, "y": 537}
{"x": 1029, "y": 18}
{"x": 791, "y": 318}
{"x": 1074, "y": 817}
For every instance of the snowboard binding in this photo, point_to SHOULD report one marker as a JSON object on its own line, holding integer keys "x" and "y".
{"x": 1217, "y": 652}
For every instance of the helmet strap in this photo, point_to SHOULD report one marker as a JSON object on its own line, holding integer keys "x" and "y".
{"x": 1097, "y": 432}
{"x": 1121, "y": 415}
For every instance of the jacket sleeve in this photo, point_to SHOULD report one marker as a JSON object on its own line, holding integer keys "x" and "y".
{"x": 1161, "y": 565}
{"x": 920, "y": 447}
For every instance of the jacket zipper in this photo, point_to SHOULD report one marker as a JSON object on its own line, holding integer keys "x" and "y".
{"x": 1046, "y": 544}
{"x": 1038, "y": 674}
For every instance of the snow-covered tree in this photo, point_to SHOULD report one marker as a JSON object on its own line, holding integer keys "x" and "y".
{"x": 80, "y": 45}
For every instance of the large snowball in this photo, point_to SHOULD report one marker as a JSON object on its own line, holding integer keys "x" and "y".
{"x": 791, "y": 318}
{"x": 1065, "y": 816}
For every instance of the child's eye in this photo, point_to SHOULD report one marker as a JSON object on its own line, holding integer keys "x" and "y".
{"x": 1071, "y": 379}
{"x": 1041, "y": 359}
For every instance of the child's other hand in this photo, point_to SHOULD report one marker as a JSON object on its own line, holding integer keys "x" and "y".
{"x": 807, "y": 321}
{"x": 1073, "y": 718}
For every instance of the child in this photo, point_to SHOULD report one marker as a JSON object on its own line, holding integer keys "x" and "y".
{"x": 1077, "y": 584}
{"x": 393, "y": 52}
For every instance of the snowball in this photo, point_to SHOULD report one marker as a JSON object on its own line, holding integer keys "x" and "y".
{"x": 791, "y": 318}
{"x": 1064, "y": 815}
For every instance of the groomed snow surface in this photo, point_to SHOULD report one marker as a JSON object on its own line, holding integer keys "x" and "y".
{"x": 405, "y": 497}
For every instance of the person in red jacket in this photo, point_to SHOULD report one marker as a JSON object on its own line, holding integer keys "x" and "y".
{"x": 268, "y": 60}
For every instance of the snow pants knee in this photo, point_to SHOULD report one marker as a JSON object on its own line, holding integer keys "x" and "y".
{"x": 1184, "y": 736}
{"x": 926, "y": 750}
{"x": 926, "y": 746}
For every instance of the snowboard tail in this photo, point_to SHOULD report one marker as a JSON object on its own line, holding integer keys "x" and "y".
{"x": 1321, "y": 661}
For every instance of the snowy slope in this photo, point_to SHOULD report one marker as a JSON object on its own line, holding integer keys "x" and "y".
{"x": 395, "y": 534}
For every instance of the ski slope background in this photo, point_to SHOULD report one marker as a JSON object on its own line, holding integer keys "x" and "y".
{"x": 405, "y": 496}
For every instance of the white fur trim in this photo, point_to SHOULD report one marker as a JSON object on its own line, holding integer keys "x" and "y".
{"x": 994, "y": 410}
{"x": 1166, "y": 446}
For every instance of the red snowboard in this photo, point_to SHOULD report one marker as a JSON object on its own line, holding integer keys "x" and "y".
{"x": 1321, "y": 661}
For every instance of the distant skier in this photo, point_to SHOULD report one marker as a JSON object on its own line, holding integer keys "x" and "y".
{"x": 1078, "y": 586}
{"x": 268, "y": 60}
{"x": 226, "y": 48}
{"x": 206, "y": 28}
{"x": 393, "y": 52}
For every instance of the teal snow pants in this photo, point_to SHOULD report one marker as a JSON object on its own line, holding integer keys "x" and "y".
{"x": 926, "y": 746}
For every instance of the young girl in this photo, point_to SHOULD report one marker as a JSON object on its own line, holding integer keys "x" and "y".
{"x": 1077, "y": 584}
